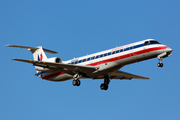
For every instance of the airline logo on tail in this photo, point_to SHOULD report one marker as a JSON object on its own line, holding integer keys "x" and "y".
{"x": 40, "y": 57}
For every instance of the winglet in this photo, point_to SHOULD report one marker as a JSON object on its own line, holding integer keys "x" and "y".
{"x": 27, "y": 47}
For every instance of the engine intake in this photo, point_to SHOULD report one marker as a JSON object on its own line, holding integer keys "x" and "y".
{"x": 54, "y": 60}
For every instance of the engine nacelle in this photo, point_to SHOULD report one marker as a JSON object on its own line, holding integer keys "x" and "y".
{"x": 54, "y": 60}
{"x": 45, "y": 68}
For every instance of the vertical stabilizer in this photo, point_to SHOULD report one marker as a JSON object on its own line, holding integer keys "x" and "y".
{"x": 38, "y": 54}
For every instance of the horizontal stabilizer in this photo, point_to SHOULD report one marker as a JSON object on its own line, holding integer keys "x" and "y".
{"x": 27, "y": 47}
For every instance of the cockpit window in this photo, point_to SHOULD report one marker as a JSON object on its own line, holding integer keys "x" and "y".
{"x": 154, "y": 42}
{"x": 146, "y": 43}
{"x": 151, "y": 42}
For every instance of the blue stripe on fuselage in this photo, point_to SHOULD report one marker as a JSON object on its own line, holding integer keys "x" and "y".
{"x": 40, "y": 73}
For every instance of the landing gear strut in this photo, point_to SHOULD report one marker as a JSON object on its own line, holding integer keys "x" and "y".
{"x": 76, "y": 81}
{"x": 162, "y": 56}
{"x": 104, "y": 86}
{"x": 160, "y": 64}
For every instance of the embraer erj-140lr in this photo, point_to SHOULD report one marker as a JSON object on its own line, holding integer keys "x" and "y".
{"x": 102, "y": 65}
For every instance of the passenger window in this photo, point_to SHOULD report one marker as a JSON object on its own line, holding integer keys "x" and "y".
{"x": 113, "y": 52}
{"x": 80, "y": 61}
{"x": 76, "y": 62}
{"x": 72, "y": 63}
{"x": 117, "y": 51}
{"x": 109, "y": 53}
{"x": 84, "y": 60}
{"x": 127, "y": 49}
{"x": 105, "y": 54}
{"x": 93, "y": 58}
{"x": 121, "y": 50}
{"x": 88, "y": 59}
{"x": 97, "y": 56}
{"x": 101, "y": 55}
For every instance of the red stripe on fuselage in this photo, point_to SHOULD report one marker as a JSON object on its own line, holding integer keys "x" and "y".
{"x": 128, "y": 55}
{"x": 113, "y": 59}
{"x": 53, "y": 75}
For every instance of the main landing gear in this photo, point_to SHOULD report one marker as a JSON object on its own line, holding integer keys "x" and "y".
{"x": 104, "y": 86}
{"x": 76, "y": 81}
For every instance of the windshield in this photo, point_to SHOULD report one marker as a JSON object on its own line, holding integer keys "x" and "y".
{"x": 154, "y": 42}
{"x": 151, "y": 42}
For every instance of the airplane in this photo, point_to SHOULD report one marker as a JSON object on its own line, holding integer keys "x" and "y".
{"x": 102, "y": 65}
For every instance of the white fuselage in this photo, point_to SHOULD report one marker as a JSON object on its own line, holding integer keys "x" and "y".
{"x": 110, "y": 60}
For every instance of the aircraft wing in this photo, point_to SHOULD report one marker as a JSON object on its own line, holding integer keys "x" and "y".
{"x": 80, "y": 68}
{"x": 123, "y": 75}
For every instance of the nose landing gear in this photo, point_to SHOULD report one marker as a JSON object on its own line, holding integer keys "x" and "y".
{"x": 160, "y": 64}
{"x": 162, "y": 56}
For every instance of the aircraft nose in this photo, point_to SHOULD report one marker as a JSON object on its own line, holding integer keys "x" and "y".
{"x": 168, "y": 49}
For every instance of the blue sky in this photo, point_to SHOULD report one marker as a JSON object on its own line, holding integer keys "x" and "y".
{"x": 73, "y": 29}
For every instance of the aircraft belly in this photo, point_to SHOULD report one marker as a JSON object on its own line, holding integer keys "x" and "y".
{"x": 63, "y": 77}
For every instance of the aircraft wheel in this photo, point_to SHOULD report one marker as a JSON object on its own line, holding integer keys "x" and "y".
{"x": 104, "y": 86}
{"x": 76, "y": 82}
{"x": 160, "y": 64}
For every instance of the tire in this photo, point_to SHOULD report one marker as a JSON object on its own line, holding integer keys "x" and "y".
{"x": 102, "y": 86}
{"x": 74, "y": 82}
{"x": 106, "y": 87}
{"x": 78, "y": 82}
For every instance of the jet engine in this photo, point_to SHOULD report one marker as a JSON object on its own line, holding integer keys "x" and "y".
{"x": 46, "y": 68}
{"x": 53, "y": 60}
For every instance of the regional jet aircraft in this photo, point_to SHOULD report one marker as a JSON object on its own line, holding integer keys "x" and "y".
{"x": 102, "y": 65}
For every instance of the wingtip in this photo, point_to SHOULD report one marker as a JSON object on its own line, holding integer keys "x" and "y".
{"x": 8, "y": 45}
{"x": 14, "y": 59}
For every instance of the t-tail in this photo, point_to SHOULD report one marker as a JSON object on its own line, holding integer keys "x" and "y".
{"x": 38, "y": 53}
